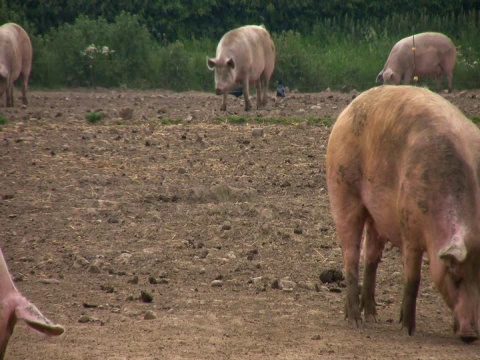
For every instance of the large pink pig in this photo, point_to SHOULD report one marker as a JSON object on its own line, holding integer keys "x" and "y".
{"x": 426, "y": 54}
{"x": 14, "y": 307}
{"x": 244, "y": 55}
{"x": 15, "y": 60}
{"x": 404, "y": 163}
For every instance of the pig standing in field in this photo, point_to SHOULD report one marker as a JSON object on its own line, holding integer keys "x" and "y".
{"x": 432, "y": 54}
{"x": 404, "y": 163}
{"x": 14, "y": 307}
{"x": 15, "y": 60}
{"x": 244, "y": 55}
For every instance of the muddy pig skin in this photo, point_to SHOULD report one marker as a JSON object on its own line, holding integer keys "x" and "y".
{"x": 245, "y": 55}
{"x": 404, "y": 164}
{"x": 14, "y": 307}
{"x": 15, "y": 60}
{"x": 433, "y": 55}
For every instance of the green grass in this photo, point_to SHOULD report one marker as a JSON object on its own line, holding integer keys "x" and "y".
{"x": 3, "y": 120}
{"x": 168, "y": 121}
{"x": 475, "y": 119}
{"x": 325, "y": 121}
{"x": 94, "y": 117}
{"x": 233, "y": 119}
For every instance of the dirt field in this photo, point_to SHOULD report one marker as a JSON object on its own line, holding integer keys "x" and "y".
{"x": 225, "y": 228}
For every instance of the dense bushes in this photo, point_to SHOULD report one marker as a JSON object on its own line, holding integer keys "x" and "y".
{"x": 340, "y": 53}
{"x": 61, "y": 57}
{"x": 179, "y": 19}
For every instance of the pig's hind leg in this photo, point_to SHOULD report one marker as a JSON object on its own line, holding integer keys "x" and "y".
{"x": 258, "y": 86}
{"x": 224, "y": 102}
{"x": 373, "y": 248}
{"x": 449, "y": 75}
{"x": 265, "y": 80}
{"x": 447, "y": 71}
{"x": 24, "y": 88}
{"x": 9, "y": 94}
{"x": 349, "y": 215}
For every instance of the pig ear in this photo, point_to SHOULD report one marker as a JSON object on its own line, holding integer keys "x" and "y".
{"x": 28, "y": 312}
{"x": 387, "y": 75}
{"x": 231, "y": 63}
{"x": 455, "y": 250}
{"x": 211, "y": 63}
{"x": 379, "y": 77}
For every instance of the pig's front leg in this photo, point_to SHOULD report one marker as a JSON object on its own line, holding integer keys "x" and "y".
{"x": 412, "y": 262}
{"x": 224, "y": 102}
{"x": 258, "y": 86}
{"x": 246, "y": 94}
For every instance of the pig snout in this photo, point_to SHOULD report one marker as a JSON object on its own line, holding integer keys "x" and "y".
{"x": 466, "y": 319}
{"x": 465, "y": 308}
{"x": 221, "y": 87}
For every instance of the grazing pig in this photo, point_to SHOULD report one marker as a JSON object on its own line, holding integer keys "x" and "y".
{"x": 244, "y": 55}
{"x": 432, "y": 54}
{"x": 404, "y": 164}
{"x": 14, "y": 307}
{"x": 15, "y": 60}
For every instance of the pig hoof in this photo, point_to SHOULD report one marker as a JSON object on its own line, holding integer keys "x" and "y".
{"x": 468, "y": 339}
{"x": 355, "y": 321}
{"x": 260, "y": 105}
{"x": 369, "y": 309}
{"x": 223, "y": 108}
{"x": 408, "y": 329}
{"x": 354, "y": 317}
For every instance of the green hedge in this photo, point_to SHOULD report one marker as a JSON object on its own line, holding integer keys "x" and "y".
{"x": 340, "y": 53}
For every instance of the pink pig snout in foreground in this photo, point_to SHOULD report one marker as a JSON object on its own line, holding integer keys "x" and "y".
{"x": 403, "y": 164}
{"x": 14, "y": 307}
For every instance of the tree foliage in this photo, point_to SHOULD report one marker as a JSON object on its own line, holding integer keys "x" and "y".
{"x": 178, "y": 19}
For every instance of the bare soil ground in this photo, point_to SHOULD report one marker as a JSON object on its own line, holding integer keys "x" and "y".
{"x": 226, "y": 229}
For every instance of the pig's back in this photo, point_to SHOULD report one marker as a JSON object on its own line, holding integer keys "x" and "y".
{"x": 8, "y": 50}
{"x": 250, "y": 39}
{"x": 396, "y": 144}
{"x": 424, "y": 42}
{"x": 15, "y": 49}
{"x": 398, "y": 114}
{"x": 438, "y": 40}
{"x": 24, "y": 46}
